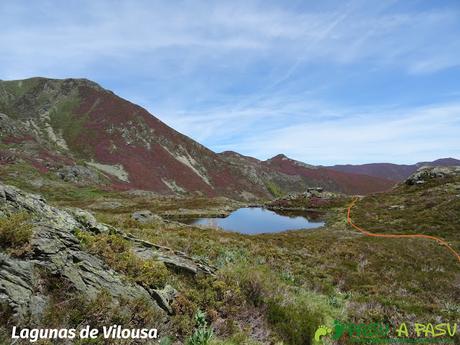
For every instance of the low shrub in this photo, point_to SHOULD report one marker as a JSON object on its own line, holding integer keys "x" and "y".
{"x": 15, "y": 233}
{"x": 117, "y": 253}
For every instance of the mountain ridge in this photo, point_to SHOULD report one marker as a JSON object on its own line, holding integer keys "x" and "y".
{"x": 391, "y": 171}
{"x": 76, "y": 125}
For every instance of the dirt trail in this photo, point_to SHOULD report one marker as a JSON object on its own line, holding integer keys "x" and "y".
{"x": 367, "y": 233}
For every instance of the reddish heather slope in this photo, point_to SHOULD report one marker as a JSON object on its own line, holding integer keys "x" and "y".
{"x": 348, "y": 183}
{"x": 76, "y": 125}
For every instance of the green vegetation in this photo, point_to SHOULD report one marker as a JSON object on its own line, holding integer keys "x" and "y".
{"x": 51, "y": 186}
{"x": 203, "y": 333}
{"x": 431, "y": 208}
{"x": 15, "y": 233}
{"x": 15, "y": 90}
{"x": 298, "y": 280}
{"x": 62, "y": 118}
{"x": 278, "y": 288}
{"x": 70, "y": 309}
{"x": 14, "y": 95}
{"x": 274, "y": 189}
{"x": 117, "y": 253}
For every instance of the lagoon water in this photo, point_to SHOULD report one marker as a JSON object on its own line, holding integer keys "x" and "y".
{"x": 257, "y": 220}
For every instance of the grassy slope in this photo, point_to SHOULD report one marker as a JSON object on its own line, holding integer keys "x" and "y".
{"x": 432, "y": 208}
{"x": 291, "y": 282}
{"x": 353, "y": 277}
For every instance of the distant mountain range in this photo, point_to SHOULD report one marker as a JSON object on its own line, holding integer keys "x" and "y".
{"x": 74, "y": 126}
{"x": 395, "y": 172}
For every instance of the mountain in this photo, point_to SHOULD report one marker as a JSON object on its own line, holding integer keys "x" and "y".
{"x": 77, "y": 130}
{"x": 54, "y": 123}
{"x": 395, "y": 172}
{"x": 348, "y": 183}
{"x": 281, "y": 173}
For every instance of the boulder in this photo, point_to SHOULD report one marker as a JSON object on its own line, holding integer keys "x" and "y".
{"x": 164, "y": 297}
{"x": 55, "y": 249}
{"x": 145, "y": 216}
{"x": 79, "y": 174}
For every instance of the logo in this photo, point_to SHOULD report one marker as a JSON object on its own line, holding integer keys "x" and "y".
{"x": 383, "y": 333}
{"x": 322, "y": 331}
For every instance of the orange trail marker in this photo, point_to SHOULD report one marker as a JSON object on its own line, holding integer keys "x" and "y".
{"x": 367, "y": 233}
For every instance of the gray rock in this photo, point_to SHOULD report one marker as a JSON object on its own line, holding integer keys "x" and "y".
{"x": 79, "y": 174}
{"x": 164, "y": 297}
{"x": 37, "y": 183}
{"x": 56, "y": 249}
{"x": 396, "y": 207}
{"x": 145, "y": 216}
{"x": 426, "y": 173}
{"x": 88, "y": 221}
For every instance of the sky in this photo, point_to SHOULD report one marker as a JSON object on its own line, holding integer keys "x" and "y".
{"x": 324, "y": 82}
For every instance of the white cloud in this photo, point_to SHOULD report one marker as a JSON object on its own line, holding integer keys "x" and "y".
{"x": 220, "y": 71}
{"x": 102, "y": 30}
{"x": 406, "y": 135}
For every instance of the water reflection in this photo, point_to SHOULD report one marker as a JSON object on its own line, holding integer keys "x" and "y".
{"x": 257, "y": 220}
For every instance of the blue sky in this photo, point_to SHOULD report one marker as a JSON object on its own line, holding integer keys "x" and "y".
{"x": 324, "y": 82}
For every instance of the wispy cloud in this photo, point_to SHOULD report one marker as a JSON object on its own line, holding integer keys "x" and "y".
{"x": 89, "y": 32}
{"x": 260, "y": 76}
{"x": 362, "y": 135}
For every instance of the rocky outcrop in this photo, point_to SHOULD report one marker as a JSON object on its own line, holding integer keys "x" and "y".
{"x": 56, "y": 249}
{"x": 426, "y": 173}
{"x": 79, "y": 174}
{"x": 145, "y": 216}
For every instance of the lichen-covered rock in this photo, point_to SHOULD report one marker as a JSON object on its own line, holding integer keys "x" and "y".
{"x": 164, "y": 297}
{"x": 56, "y": 249}
{"x": 79, "y": 174}
{"x": 88, "y": 221}
{"x": 426, "y": 173}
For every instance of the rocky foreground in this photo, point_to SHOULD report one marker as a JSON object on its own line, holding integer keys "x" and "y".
{"x": 54, "y": 248}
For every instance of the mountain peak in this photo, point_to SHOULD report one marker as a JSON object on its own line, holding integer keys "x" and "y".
{"x": 278, "y": 157}
{"x": 282, "y": 157}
